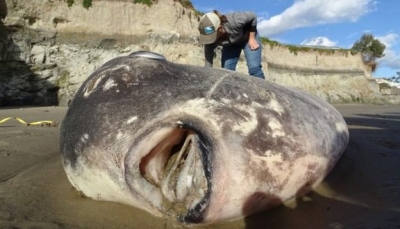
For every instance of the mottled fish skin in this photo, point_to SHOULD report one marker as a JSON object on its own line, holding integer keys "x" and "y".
{"x": 200, "y": 144}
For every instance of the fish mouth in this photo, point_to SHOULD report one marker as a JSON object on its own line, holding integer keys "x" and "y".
{"x": 179, "y": 165}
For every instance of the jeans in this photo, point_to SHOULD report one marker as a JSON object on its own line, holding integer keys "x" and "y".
{"x": 231, "y": 54}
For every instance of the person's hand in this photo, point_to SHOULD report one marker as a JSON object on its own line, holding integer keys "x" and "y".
{"x": 253, "y": 44}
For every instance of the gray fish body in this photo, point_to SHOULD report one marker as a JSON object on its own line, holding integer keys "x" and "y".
{"x": 200, "y": 144}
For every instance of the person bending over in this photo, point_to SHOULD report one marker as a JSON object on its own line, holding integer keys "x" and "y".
{"x": 235, "y": 32}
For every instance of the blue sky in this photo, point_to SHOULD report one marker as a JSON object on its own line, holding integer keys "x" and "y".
{"x": 333, "y": 23}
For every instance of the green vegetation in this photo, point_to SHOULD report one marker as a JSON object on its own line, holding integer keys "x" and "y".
{"x": 87, "y": 3}
{"x": 395, "y": 79}
{"x": 369, "y": 47}
{"x": 186, "y": 3}
{"x": 70, "y": 2}
{"x": 351, "y": 99}
{"x": 271, "y": 43}
{"x": 198, "y": 13}
{"x": 296, "y": 49}
{"x": 145, "y": 2}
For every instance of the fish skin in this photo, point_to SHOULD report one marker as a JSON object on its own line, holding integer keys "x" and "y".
{"x": 257, "y": 143}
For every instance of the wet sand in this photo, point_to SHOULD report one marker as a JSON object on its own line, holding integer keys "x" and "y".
{"x": 363, "y": 190}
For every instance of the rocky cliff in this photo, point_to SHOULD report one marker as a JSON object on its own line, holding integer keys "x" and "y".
{"x": 48, "y": 48}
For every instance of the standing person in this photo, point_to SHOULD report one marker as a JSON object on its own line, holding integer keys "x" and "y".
{"x": 234, "y": 32}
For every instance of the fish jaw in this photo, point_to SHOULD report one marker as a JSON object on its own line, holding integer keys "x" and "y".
{"x": 173, "y": 162}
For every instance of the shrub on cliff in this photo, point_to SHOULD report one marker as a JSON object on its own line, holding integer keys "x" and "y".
{"x": 70, "y": 2}
{"x": 185, "y": 3}
{"x": 369, "y": 47}
{"x": 396, "y": 78}
{"x": 87, "y": 3}
{"x": 145, "y": 2}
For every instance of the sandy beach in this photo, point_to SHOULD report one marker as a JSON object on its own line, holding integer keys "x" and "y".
{"x": 363, "y": 190}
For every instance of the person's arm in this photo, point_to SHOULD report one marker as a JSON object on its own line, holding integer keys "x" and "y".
{"x": 209, "y": 54}
{"x": 253, "y": 44}
{"x": 252, "y": 18}
{"x": 245, "y": 23}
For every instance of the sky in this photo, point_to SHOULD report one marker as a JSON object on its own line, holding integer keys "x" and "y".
{"x": 331, "y": 23}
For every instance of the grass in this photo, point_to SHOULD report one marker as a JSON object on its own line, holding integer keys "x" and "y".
{"x": 298, "y": 49}
{"x": 144, "y": 2}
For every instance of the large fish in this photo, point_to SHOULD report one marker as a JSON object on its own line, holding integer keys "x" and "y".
{"x": 198, "y": 144}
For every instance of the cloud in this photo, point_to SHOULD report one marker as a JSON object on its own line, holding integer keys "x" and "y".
{"x": 391, "y": 58}
{"x": 206, "y": 9}
{"x": 388, "y": 40}
{"x": 306, "y": 13}
{"x": 319, "y": 41}
{"x": 261, "y": 16}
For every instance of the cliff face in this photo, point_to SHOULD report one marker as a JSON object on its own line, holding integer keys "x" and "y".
{"x": 167, "y": 17}
{"x": 335, "y": 75}
{"x": 47, "y": 49}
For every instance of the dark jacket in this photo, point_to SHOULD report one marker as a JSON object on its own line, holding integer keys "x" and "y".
{"x": 238, "y": 27}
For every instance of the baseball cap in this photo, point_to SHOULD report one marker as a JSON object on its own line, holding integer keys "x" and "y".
{"x": 208, "y": 26}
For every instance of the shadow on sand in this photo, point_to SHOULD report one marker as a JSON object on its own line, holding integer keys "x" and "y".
{"x": 362, "y": 191}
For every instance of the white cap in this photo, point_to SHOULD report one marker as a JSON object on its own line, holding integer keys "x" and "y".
{"x": 208, "y": 27}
